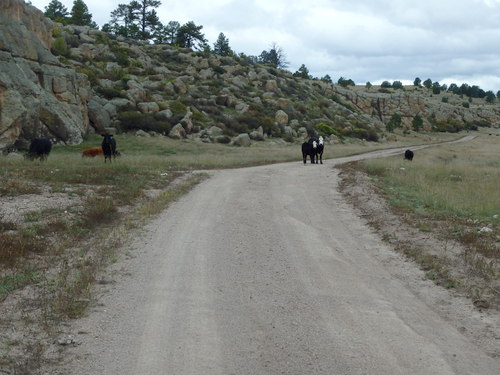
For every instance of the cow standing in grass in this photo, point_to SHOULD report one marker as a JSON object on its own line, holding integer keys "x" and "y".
{"x": 108, "y": 147}
{"x": 39, "y": 148}
{"x": 409, "y": 155}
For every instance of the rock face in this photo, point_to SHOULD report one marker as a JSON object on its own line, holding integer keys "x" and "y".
{"x": 38, "y": 96}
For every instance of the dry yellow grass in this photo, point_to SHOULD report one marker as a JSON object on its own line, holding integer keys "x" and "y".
{"x": 458, "y": 180}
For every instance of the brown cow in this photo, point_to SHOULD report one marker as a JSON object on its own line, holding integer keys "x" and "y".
{"x": 91, "y": 152}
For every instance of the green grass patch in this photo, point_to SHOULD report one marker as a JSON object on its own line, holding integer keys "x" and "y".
{"x": 9, "y": 283}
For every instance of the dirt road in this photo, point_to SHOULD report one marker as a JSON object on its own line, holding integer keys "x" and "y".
{"x": 267, "y": 270}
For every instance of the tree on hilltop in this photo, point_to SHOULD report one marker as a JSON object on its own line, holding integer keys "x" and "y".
{"x": 190, "y": 36}
{"x": 80, "y": 15}
{"x": 344, "y": 82}
{"x": 56, "y": 11}
{"x": 221, "y": 46}
{"x": 490, "y": 97}
{"x": 147, "y": 16}
{"x": 436, "y": 88}
{"x": 326, "y": 78}
{"x": 275, "y": 57}
{"x": 138, "y": 19}
{"x": 398, "y": 85}
{"x": 167, "y": 34}
{"x": 303, "y": 72}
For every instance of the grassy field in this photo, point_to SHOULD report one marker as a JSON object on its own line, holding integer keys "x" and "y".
{"x": 460, "y": 181}
{"x": 453, "y": 192}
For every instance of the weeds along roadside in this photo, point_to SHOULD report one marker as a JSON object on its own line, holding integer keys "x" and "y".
{"x": 50, "y": 258}
{"x": 450, "y": 192}
{"x": 53, "y": 257}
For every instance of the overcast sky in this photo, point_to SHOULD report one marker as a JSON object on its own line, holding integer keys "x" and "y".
{"x": 363, "y": 40}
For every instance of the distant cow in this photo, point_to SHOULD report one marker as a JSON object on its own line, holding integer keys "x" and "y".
{"x": 310, "y": 149}
{"x": 409, "y": 155}
{"x": 92, "y": 152}
{"x": 108, "y": 147}
{"x": 39, "y": 149}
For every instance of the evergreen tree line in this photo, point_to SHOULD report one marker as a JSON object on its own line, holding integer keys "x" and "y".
{"x": 464, "y": 89}
{"x": 139, "y": 20}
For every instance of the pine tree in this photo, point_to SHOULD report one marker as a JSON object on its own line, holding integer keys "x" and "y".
{"x": 275, "y": 57}
{"x": 303, "y": 72}
{"x": 80, "y": 15}
{"x": 147, "y": 19}
{"x": 56, "y": 11}
{"x": 190, "y": 36}
{"x": 221, "y": 46}
{"x": 135, "y": 20}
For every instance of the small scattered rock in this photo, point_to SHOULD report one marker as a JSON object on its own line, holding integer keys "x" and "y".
{"x": 481, "y": 304}
{"x": 485, "y": 230}
{"x": 67, "y": 341}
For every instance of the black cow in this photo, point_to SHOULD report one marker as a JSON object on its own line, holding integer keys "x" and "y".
{"x": 108, "y": 147}
{"x": 39, "y": 149}
{"x": 310, "y": 148}
{"x": 409, "y": 155}
{"x": 321, "y": 147}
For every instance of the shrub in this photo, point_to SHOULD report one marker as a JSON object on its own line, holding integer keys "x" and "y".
{"x": 448, "y": 127}
{"x": 111, "y": 92}
{"x": 14, "y": 246}
{"x": 92, "y": 76}
{"x": 57, "y": 32}
{"x": 122, "y": 59}
{"x": 177, "y": 107}
{"x": 482, "y": 123}
{"x": 268, "y": 124}
{"x": 219, "y": 70}
{"x": 60, "y": 47}
{"x": 133, "y": 120}
{"x": 361, "y": 133}
{"x": 102, "y": 39}
{"x": 117, "y": 74}
{"x": 99, "y": 211}
{"x": 417, "y": 122}
{"x": 326, "y": 130}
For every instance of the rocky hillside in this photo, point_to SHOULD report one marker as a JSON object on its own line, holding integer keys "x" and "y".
{"x": 66, "y": 82}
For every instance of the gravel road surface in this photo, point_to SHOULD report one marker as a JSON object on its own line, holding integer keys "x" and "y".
{"x": 267, "y": 270}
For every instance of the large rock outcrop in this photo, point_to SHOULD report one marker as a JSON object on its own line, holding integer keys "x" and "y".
{"x": 174, "y": 91}
{"x": 38, "y": 96}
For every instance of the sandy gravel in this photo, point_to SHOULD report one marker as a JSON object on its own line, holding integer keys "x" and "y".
{"x": 268, "y": 270}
